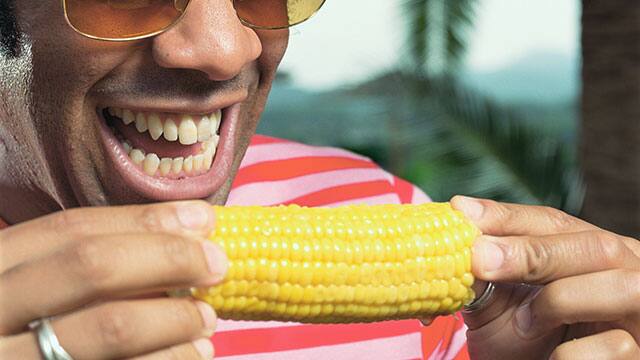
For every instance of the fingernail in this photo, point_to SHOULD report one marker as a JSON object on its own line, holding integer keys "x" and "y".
{"x": 216, "y": 259}
{"x": 208, "y": 315}
{"x": 471, "y": 207}
{"x": 204, "y": 348}
{"x": 523, "y": 318}
{"x": 490, "y": 255}
{"x": 194, "y": 215}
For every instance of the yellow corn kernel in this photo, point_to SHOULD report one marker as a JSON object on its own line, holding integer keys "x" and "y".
{"x": 339, "y": 265}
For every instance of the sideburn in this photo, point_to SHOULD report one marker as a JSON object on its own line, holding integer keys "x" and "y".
{"x": 9, "y": 32}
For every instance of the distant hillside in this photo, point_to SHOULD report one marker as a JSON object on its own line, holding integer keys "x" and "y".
{"x": 541, "y": 77}
{"x": 542, "y": 87}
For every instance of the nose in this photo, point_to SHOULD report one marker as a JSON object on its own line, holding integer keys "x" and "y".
{"x": 209, "y": 38}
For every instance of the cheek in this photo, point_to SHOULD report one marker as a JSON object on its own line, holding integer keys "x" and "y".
{"x": 274, "y": 45}
{"x": 64, "y": 58}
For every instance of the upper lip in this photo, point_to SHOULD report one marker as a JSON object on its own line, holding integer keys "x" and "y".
{"x": 183, "y": 106}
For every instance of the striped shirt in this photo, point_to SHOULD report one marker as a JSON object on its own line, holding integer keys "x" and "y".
{"x": 276, "y": 171}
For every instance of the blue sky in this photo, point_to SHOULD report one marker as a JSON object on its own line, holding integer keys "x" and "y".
{"x": 349, "y": 40}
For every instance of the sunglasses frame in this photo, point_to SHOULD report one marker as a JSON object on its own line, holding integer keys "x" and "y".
{"x": 158, "y": 32}
{"x": 258, "y": 27}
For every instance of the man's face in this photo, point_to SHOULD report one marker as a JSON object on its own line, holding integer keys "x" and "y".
{"x": 174, "y": 87}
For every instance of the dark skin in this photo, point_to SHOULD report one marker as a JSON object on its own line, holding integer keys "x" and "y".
{"x": 193, "y": 62}
{"x": 575, "y": 285}
{"x": 53, "y": 142}
{"x": 106, "y": 266}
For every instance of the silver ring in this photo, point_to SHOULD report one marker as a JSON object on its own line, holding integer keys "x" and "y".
{"x": 48, "y": 342}
{"x": 481, "y": 301}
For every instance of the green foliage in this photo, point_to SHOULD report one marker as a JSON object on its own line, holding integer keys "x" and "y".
{"x": 488, "y": 150}
{"x": 437, "y": 33}
{"x": 459, "y": 141}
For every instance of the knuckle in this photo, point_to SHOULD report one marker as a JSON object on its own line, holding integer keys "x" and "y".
{"x": 536, "y": 255}
{"x": 559, "y": 220}
{"x": 73, "y": 221}
{"x": 158, "y": 218}
{"x": 181, "y": 254}
{"x": 115, "y": 325}
{"x": 88, "y": 261}
{"x": 499, "y": 210}
{"x": 184, "y": 315}
{"x": 611, "y": 249}
{"x": 151, "y": 219}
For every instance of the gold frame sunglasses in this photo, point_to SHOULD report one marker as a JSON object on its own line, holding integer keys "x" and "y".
{"x": 129, "y": 20}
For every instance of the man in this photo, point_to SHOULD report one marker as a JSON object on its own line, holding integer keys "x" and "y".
{"x": 107, "y": 104}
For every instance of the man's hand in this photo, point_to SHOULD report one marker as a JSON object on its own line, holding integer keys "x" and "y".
{"x": 567, "y": 289}
{"x": 102, "y": 274}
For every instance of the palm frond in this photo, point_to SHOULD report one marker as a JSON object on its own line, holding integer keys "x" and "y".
{"x": 417, "y": 11}
{"x": 458, "y": 16}
{"x": 437, "y": 33}
{"x": 459, "y": 141}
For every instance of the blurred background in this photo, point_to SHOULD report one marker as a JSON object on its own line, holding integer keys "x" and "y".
{"x": 533, "y": 102}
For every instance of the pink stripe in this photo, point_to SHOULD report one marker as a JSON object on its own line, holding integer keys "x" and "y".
{"x": 282, "y": 151}
{"x": 276, "y": 192}
{"x": 391, "y": 198}
{"x": 419, "y": 197}
{"x": 458, "y": 340}
{"x": 397, "y": 347}
{"x": 437, "y": 352}
{"x": 230, "y": 325}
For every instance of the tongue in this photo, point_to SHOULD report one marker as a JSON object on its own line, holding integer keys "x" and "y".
{"x": 160, "y": 147}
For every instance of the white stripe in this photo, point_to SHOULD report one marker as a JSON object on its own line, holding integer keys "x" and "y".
{"x": 391, "y": 348}
{"x": 437, "y": 353}
{"x": 283, "y": 151}
{"x": 390, "y": 198}
{"x": 230, "y": 325}
{"x": 457, "y": 342}
{"x": 419, "y": 197}
{"x": 276, "y": 192}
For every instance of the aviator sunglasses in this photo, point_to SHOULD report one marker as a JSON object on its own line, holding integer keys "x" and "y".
{"x": 122, "y": 20}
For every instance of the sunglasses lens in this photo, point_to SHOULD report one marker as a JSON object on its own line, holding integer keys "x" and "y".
{"x": 276, "y": 13}
{"x": 123, "y": 19}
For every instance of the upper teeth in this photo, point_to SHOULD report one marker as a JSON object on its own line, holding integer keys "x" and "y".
{"x": 187, "y": 129}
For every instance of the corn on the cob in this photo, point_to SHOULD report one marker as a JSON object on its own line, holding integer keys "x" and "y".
{"x": 346, "y": 264}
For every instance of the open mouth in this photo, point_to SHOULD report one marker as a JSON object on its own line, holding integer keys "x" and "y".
{"x": 170, "y": 156}
{"x": 167, "y": 145}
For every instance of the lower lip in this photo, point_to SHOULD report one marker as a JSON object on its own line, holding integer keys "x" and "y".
{"x": 162, "y": 189}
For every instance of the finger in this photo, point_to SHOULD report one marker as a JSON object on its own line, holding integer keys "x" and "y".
{"x": 196, "y": 350}
{"x": 609, "y": 296}
{"x": 130, "y": 328}
{"x": 22, "y": 346}
{"x": 108, "y": 266}
{"x": 505, "y": 297}
{"x": 613, "y": 344}
{"x": 41, "y": 236}
{"x": 502, "y": 219}
{"x": 539, "y": 260}
{"x": 632, "y": 244}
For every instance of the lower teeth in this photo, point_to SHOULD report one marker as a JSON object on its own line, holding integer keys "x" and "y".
{"x": 192, "y": 165}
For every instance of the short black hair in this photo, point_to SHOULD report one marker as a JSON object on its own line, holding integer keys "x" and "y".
{"x": 9, "y": 34}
